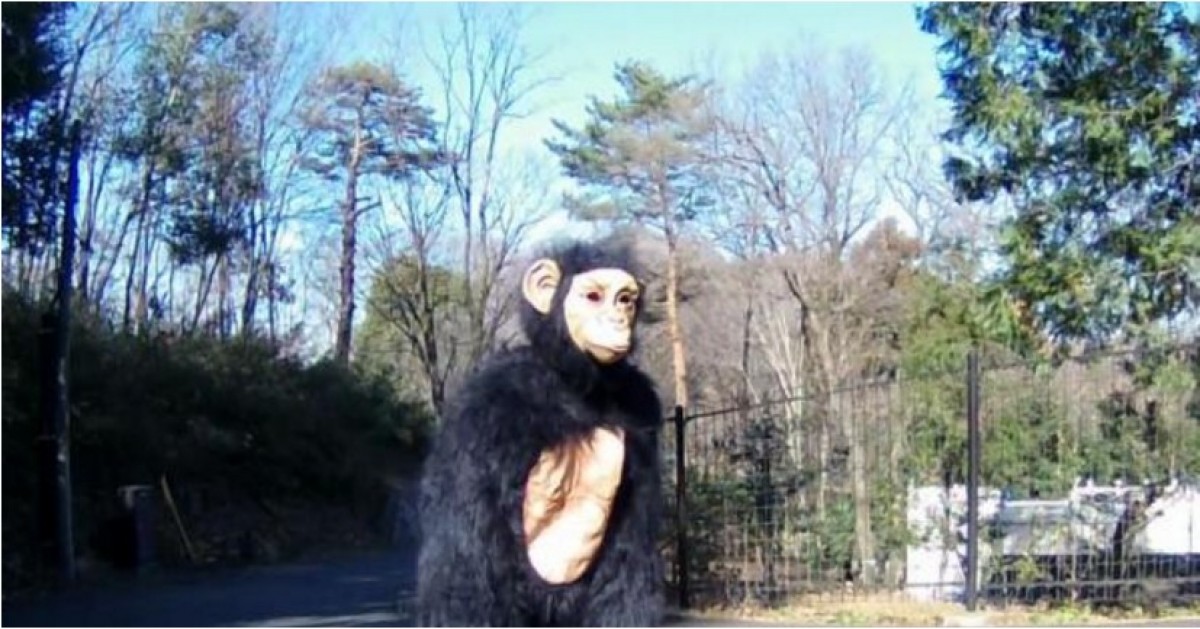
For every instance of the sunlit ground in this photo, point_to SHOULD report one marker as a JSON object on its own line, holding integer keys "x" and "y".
{"x": 891, "y": 610}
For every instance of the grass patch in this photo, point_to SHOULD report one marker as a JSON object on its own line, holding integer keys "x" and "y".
{"x": 838, "y": 610}
{"x": 896, "y": 610}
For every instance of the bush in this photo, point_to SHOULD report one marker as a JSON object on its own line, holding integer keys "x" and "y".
{"x": 265, "y": 456}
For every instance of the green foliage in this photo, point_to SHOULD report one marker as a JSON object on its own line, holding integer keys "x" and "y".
{"x": 34, "y": 57}
{"x": 1026, "y": 440}
{"x": 410, "y": 313}
{"x": 830, "y": 546}
{"x": 212, "y": 200}
{"x": 716, "y": 507}
{"x": 936, "y": 436}
{"x": 1085, "y": 117}
{"x": 1148, "y": 429}
{"x": 232, "y": 425}
{"x": 641, "y": 152}
{"x": 1036, "y": 441}
{"x": 943, "y": 321}
{"x": 190, "y": 127}
{"x": 366, "y": 119}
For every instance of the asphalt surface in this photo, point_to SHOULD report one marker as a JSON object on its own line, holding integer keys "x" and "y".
{"x": 365, "y": 590}
{"x": 360, "y": 590}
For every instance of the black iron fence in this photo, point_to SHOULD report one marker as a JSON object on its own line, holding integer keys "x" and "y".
{"x": 992, "y": 482}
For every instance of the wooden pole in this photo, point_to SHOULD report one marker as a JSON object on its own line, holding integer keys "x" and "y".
{"x": 187, "y": 542}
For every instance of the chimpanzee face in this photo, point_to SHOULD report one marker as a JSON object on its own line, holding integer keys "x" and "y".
{"x": 599, "y": 307}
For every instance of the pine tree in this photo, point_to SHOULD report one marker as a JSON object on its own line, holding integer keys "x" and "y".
{"x": 641, "y": 157}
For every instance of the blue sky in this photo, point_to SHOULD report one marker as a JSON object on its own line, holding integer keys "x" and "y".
{"x": 581, "y": 42}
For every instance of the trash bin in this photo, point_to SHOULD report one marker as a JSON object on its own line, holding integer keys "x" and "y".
{"x": 137, "y": 503}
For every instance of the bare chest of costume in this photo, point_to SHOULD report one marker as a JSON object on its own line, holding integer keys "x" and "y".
{"x": 569, "y": 495}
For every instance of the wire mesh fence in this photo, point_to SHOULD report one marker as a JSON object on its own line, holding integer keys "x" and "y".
{"x": 1096, "y": 462}
{"x": 1085, "y": 488}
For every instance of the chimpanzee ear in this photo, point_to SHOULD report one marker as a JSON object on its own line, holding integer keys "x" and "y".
{"x": 541, "y": 280}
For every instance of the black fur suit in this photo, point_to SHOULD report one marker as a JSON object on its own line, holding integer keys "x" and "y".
{"x": 472, "y": 567}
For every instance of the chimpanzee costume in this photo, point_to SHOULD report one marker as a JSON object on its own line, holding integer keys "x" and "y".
{"x": 540, "y": 502}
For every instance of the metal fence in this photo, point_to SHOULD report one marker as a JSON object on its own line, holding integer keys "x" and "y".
{"x": 1002, "y": 483}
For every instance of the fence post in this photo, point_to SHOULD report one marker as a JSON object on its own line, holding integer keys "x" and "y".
{"x": 974, "y": 446}
{"x": 681, "y": 536}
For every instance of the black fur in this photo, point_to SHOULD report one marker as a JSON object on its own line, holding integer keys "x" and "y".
{"x": 472, "y": 568}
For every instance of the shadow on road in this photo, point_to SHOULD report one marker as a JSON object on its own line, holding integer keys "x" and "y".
{"x": 369, "y": 590}
{"x": 359, "y": 590}
{"x": 366, "y": 590}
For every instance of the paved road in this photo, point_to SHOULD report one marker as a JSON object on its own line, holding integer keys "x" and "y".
{"x": 358, "y": 590}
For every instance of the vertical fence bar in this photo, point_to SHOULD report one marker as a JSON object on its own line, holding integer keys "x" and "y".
{"x": 681, "y": 536}
{"x": 974, "y": 446}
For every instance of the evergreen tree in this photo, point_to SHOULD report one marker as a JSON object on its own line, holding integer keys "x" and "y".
{"x": 34, "y": 57}
{"x": 367, "y": 122}
{"x": 1086, "y": 118}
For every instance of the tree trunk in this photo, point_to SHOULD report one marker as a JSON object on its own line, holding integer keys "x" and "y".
{"x": 824, "y": 399}
{"x": 432, "y": 353}
{"x": 131, "y": 278}
{"x": 224, "y": 295}
{"x": 169, "y": 308}
{"x": 141, "y": 313}
{"x": 250, "y": 298}
{"x": 143, "y": 212}
{"x": 863, "y": 537}
{"x": 822, "y": 456}
{"x": 437, "y": 384}
{"x": 107, "y": 262}
{"x": 346, "y": 269}
{"x": 272, "y": 305}
{"x": 14, "y": 264}
{"x": 89, "y": 227}
{"x": 56, "y": 441}
{"x": 675, "y": 329}
{"x": 745, "y": 390}
{"x": 47, "y": 267}
{"x": 203, "y": 289}
{"x": 468, "y": 268}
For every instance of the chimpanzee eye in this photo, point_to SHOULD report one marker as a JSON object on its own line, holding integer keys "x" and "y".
{"x": 625, "y": 299}
{"x": 594, "y": 296}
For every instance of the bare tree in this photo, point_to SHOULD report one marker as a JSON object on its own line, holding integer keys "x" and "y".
{"x": 98, "y": 76}
{"x": 275, "y": 95}
{"x": 804, "y": 136}
{"x": 486, "y": 78}
{"x": 955, "y": 235}
{"x": 460, "y": 227}
{"x": 411, "y": 293}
